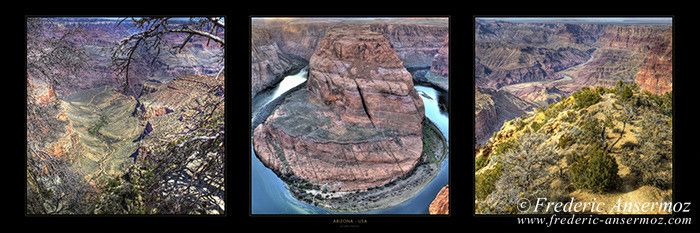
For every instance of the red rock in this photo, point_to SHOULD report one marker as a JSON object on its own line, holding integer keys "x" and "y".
{"x": 358, "y": 123}
{"x": 440, "y": 64}
{"x": 655, "y": 74}
{"x": 276, "y": 48}
{"x": 357, "y": 71}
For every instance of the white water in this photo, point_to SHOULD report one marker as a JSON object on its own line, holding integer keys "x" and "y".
{"x": 290, "y": 82}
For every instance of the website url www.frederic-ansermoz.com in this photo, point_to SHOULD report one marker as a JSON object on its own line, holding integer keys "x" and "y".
{"x": 597, "y": 220}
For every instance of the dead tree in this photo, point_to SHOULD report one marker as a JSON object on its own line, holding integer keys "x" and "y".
{"x": 53, "y": 60}
{"x": 152, "y": 36}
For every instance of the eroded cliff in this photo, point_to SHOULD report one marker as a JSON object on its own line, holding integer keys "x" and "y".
{"x": 281, "y": 46}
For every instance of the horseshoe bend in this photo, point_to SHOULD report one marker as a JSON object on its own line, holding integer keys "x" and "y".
{"x": 356, "y": 138}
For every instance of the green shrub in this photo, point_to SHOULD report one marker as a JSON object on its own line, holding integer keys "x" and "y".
{"x": 569, "y": 117}
{"x": 519, "y": 125}
{"x": 479, "y": 162}
{"x": 505, "y": 146}
{"x": 484, "y": 183}
{"x": 585, "y": 97}
{"x": 596, "y": 172}
{"x": 601, "y": 89}
{"x": 626, "y": 93}
{"x": 566, "y": 141}
{"x": 553, "y": 110}
{"x": 535, "y": 126}
{"x": 619, "y": 86}
{"x": 591, "y": 131}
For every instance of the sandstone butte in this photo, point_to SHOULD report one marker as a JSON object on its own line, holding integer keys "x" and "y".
{"x": 358, "y": 122}
{"x": 441, "y": 204}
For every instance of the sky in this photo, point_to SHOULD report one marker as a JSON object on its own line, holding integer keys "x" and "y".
{"x": 662, "y": 20}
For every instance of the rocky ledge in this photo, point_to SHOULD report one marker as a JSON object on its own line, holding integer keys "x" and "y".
{"x": 441, "y": 204}
{"x": 357, "y": 126}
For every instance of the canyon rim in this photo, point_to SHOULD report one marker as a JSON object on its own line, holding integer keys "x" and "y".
{"x": 557, "y": 98}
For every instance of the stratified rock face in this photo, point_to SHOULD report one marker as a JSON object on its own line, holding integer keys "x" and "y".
{"x": 655, "y": 73}
{"x": 514, "y": 63}
{"x": 268, "y": 64}
{"x": 356, "y": 72}
{"x": 275, "y": 49}
{"x": 415, "y": 45}
{"x": 357, "y": 125}
{"x": 441, "y": 204}
{"x": 173, "y": 107}
{"x": 440, "y": 64}
{"x": 510, "y": 53}
{"x": 492, "y": 108}
{"x": 53, "y": 132}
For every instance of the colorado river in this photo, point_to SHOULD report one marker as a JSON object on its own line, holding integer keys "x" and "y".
{"x": 269, "y": 194}
{"x": 518, "y": 86}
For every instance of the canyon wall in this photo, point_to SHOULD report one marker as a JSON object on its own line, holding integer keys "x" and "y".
{"x": 414, "y": 44}
{"x": 98, "y": 37}
{"x": 52, "y": 131}
{"x": 268, "y": 63}
{"x": 441, "y": 65}
{"x": 511, "y": 53}
{"x": 656, "y": 72}
{"x": 543, "y": 62}
{"x": 492, "y": 108}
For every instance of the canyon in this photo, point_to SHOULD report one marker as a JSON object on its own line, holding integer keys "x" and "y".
{"x": 553, "y": 95}
{"x": 90, "y": 137}
{"x": 278, "y": 46}
{"x": 541, "y": 63}
{"x": 341, "y": 129}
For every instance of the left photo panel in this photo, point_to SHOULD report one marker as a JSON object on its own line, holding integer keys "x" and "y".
{"x": 125, "y": 116}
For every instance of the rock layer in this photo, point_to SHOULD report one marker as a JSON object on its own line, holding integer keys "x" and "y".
{"x": 441, "y": 204}
{"x": 655, "y": 73}
{"x": 268, "y": 64}
{"x": 276, "y": 48}
{"x": 440, "y": 64}
{"x": 492, "y": 108}
{"x": 357, "y": 125}
{"x": 358, "y": 74}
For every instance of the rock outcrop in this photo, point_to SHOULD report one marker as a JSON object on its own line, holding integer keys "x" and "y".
{"x": 492, "y": 108}
{"x": 356, "y": 73}
{"x": 441, "y": 64}
{"x": 655, "y": 74}
{"x": 52, "y": 132}
{"x": 268, "y": 63}
{"x": 441, "y": 203}
{"x": 357, "y": 125}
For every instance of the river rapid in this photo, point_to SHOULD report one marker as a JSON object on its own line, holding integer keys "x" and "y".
{"x": 269, "y": 194}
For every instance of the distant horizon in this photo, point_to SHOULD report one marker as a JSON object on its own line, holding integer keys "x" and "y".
{"x": 620, "y": 20}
